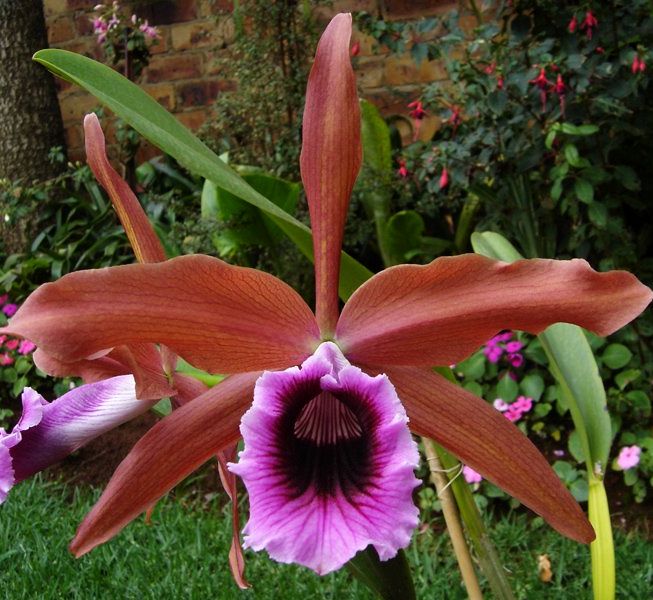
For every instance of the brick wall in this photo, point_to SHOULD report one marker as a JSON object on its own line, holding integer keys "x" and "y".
{"x": 185, "y": 73}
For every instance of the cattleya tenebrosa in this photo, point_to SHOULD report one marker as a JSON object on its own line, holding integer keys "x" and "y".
{"x": 328, "y": 459}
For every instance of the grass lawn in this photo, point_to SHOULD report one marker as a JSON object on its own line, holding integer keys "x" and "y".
{"x": 183, "y": 554}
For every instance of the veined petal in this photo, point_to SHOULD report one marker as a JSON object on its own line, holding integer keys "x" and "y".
{"x": 167, "y": 453}
{"x": 330, "y": 159}
{"x": 438, "y": 314}
{"x": 328, "y": 464}
{"x": 143, "y": 361}
{"x": 220, "y": 318}
{"x": 144, "y": 241}
{"x": 49, "y": 431}
{"x": 482, "y": 438}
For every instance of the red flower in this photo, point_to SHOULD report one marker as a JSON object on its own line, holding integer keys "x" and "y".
{"x": 355, "y": 49}
{"x": 638, "y": 66}
{"x": 418, "y": 112}
{"x": 589, "y": 24}
{"x": 543, "y": 84}
{"x": 402, "y": 171}
{"x": 444, "y": 178}
{"x": 500, "y": 82}
{"x": 490, "y": 68}
{"x": 573, "y": 24}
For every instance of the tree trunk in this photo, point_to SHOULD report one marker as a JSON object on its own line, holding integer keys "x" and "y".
{"x": 30, "y": 121}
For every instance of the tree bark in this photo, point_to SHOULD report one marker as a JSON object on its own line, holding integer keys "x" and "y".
{"x": 30, "y": 120}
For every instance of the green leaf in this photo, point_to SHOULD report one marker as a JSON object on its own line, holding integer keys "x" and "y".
{"x": 575, "y": 447}
{"x": 507, "y": 388}
{"x": 584, "y": 191}
{"x": 579, "y": 490}
{"x": 138, "y": 109}
{"x": 497, "y": 101}
{"x": 616, "y": 356}
{"x": 391, "y": 579}
{"x": 375, "y": 137}
{"x": 598, "y": 214}
{"x": 403, "y": 234}
{"x": 571, "y": 155}
{"x": 626, "y": 377}
{"x": 209, "y": 206}
{"x": 532, "y": 386}
{"x": 640, "y": 402}
{"x": 579, "y": 129}
{"x": 473, "y": 367}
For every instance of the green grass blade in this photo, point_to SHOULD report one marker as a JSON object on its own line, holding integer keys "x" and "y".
{"x": 137, "y": 108}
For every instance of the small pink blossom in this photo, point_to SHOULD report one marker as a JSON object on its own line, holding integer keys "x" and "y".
{"x": 2, "y": 339}
{"x": 559, "y": 453}
{"x": 515, "y": 359}
{"x": 628, "y": 457}
{"x": 500, "y": 82}
{"x": 471, "y": 476}
{"x": 512, "y": 414}
{"x": 523, "y": 403}
{"x": 514, "y": 346}
{"x": 543, "y": 84}
{"x": 490, "y": 68}
{"x": 149, "y": 31}
{"x": 444, "y": 178}
{"x": 11, "y": 344}
{"x": 9, "y": 309}
{"x": 355, "y": 49}
{"x": 4, "y": 298}
{"x": 6, "y": 360}
{"x": 402, "y": 171}
{"x": 26, "y": 347}
{"x": 500, "y": 405}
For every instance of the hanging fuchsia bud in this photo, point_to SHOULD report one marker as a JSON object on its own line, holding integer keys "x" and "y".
{"x": 560, "y": 89}
{"x": 355, "y": 49}
{"x": 638, "y": 66}
{"x": 589, "y": 24}
{"x": 500, "y": 82}
{"x": 573, "y": 25}
{"x": 444, "y": 178}
{"x": 402, "y": 171}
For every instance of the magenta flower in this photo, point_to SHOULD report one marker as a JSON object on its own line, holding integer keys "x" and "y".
{"x": 543, "y": 84}
{"x": 417, "y": 114}
{"x": 148, "y": 30}
{"x": 328, "y": 458}
{"x": 628, "y": 457}
{"x": 402, "y": 171}
{"x": 50, "y": 431}
{"x": 589, "y": 24}
{"x": 6, "y": 360}
{"x": 471, "y": 476}
{"x": 9, "y": 309}
{"x": 638, "y": 66}
{"x": 4, "y": 298}
{"x": 11, "y": 344}
{"x": 26, "y": 347}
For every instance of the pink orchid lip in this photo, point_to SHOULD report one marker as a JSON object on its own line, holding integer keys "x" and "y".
{"x": 328, "y": 464}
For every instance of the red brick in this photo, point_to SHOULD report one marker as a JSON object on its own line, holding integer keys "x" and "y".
{"x": 163, "y": 93}
{"x": 407, "y": 9}
{"x": 54, "y": 7}
{"x": 60, "y": 29}
{"x": 74, "y": 136}
{"x": 163, "y": 42}
{"x": 369, "y": 72}
{"x": 403, "y": 70}
{"x": 84, "y": 24}
{"x": 87, "y": 46}
{"x": 193, "y": 119}
{"x": 174, "y": 67}
{"x": 209, "y": 8}
{"x": 82, "y": 4}
{"x": 166, "y": 12}
{"x": 187, "y": 36}
{"x": 75, "y": 106}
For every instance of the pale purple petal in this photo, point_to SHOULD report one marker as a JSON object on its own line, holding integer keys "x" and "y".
{"x": 328, "y": 464}
{"x": 629, "y": 457}
{"x": 471, "y": 476}
{"x": 49, "y": 431}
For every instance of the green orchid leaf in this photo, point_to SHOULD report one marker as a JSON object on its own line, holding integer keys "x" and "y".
{"x": 139, "y": 110}
{"x": 375, "y": 136}
{"x": 390, "y": 579}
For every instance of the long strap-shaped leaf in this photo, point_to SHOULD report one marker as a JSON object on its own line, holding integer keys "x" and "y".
{"x": 152, "y": 121}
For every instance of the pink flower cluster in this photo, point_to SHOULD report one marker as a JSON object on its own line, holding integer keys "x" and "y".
{"x": 515, "y": 410}
{"x": 589, "y": 25}
{"x": 110, "y": 19}
{"x": 504, "y": 344}
{"x": 628, "y": 457}
{"x": 10, "y": 346}
{"x": 547, "y": 87}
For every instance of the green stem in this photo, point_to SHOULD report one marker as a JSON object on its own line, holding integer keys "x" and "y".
{"x": 602, "y": 548}
{"x": 452, "y": 519}
{"x": 485, "y": 550}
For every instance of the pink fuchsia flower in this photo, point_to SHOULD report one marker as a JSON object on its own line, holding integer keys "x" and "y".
{"x": 417, "y": 114}
{"x": 444, "y": 178}
{"x": 638, "y": 66}
{"x": 589, "y": 24}
{"x": 628, "y": 457}
{"x": 573, "y": 25}
{"x": 12, "y": 344}
{"x": 26, "y": 347}
{"x": 355, "y": 49}
{"x": 400, "y": 323}
{"x": 471, "y": 476}
{"x": 50, "y": 431}
{"x": 9, "y": 309}
{"x": 543, "y": 84}
{"x": 149, "y": 31}
{"x": 500, "y": 405}
{"x": 6, "y": 360}
{"x": 402, "y": 171}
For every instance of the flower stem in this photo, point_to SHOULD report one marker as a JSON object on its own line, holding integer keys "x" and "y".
{"x": 602, "y": 548}
{"x": 452, "y": 519}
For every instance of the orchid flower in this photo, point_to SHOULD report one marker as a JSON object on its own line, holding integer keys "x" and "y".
{"x": 328, "y": 458}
